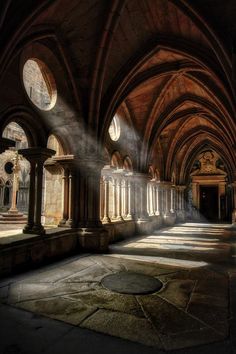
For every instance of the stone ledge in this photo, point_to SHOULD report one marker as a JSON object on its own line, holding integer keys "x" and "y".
{"x": 24, "y": 250}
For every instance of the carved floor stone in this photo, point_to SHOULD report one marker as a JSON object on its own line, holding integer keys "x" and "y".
{"x": 191, "y": 309}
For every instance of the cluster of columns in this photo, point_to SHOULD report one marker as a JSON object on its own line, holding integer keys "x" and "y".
{"x": 116, "y": 195}
{"x": 132, "y": 196}
{"x": 120, "y": 195}
{"x": 66, "y": 162}
{"x": 36, "y": 157}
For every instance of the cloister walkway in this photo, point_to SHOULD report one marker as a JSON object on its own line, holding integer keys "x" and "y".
{"x": 64, "y": 306}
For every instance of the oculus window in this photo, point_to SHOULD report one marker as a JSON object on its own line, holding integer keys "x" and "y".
{"x": 39, "y": 84}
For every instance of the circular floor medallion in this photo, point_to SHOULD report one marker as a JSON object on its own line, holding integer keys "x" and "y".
{"x": 131, "y": 283}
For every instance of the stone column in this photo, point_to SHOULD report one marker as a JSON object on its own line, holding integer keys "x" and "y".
{"x": 36, "y": 156}
{"x": 141, "y": 181}
{"x": 65, "y": 193}
{"x": 106, "y": 218}
{"x": 30, "y": 222}
{"x": 180, "y": 211}
{"x": 71, "y": 195}
{"x": 68, "y": 163}
{"x": 92, "y": 235}
{"x": 157, "y": 197}
{"x": 125, "y": 198}
{"x": 130, "y": 197}
{"x": 119, "y": 198}
{"x": 153, "y": 195}
{"x": 168, "y": 217}
{"x": 172, "y": 207}
{"x": 114, "y": 207}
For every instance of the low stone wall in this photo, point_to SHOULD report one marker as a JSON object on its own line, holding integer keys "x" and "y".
{"x": 120, "y": 230}
{"x": 25, "y": 251}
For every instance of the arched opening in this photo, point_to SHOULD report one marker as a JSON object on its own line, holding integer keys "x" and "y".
{"x": 7, "y": 194}
{"x": 209, "y": 196}
{"x": 14, "y": 166}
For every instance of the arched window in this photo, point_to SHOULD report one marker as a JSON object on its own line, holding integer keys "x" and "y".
{"x": 127, "y": 165}
{"x": 114, "y": 129}
{"x": 116, "y": 160}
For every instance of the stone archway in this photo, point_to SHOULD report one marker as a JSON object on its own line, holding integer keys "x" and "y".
{"x": 208, "y": 184}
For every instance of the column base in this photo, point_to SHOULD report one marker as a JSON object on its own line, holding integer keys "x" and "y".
{"x": 34, "y": 229}
{"x": 62, "y": 223}
{"x": 93, "y": 239}
{"x": 180, "y": 216}
{"x": 128, "y": 217}
{"x": 169, "y": 218}
{"x": 117, "y": 218}
{"x": 106, "y": 220}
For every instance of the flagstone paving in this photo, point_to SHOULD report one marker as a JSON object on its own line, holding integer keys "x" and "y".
{"x": 191, "y": 309}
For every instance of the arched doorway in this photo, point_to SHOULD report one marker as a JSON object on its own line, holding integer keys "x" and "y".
{"x": 208, "y": 184}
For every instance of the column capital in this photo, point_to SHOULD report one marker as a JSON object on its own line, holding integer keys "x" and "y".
{"x": 141, "y": 177}
{"x": 118, "y": 172}
{"x": 38, "y": 154}
{"x": 165, "y": 184}
{"x": 180, "y": 187}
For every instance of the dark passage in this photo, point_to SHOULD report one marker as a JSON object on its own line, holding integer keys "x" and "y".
{"x": 209, "y": 202}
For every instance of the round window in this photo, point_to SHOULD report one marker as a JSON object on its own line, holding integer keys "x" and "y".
{"x": 8, "y": 167}
{"x": 114, "y": 129}
{"x": 39, "y": 84}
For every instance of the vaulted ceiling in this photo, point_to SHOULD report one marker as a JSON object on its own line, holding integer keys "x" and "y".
{"x": 167, "y": 62}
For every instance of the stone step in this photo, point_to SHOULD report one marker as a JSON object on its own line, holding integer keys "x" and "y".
{"x": 13, "y": 218}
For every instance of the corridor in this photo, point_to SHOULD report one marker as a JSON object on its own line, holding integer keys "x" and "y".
{"x": 195, "y": 306}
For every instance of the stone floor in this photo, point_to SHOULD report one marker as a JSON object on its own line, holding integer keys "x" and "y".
{"x": 194, "y": 312}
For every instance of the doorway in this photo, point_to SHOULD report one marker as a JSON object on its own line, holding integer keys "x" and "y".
{"x": 209, "y": 202}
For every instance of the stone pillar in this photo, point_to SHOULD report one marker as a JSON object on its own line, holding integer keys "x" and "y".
{"x": 30, "y": 222}
{"x": 92, "y": 235}
{"x": 130, "y": 197}
{"x": 157, "y": 198}
{"x": 172, "y": 207}
{"x": 168, "y": 216}
{"x": 118, "y": 196}
{"x": 65, "y": 194}
{"x": 36, "y": 156}
{"x": 71, "y": 195}
{"x": 106, "y": 218}
{"x": 114, "y": 206}
{"x": 141, "y": 213}
{"x": 161, "y": 201}
{"x": 119, "y": 200}
{"x": 68, "y": 164}
{"x": 151, "y": 198}
{"x": 125, "y": 198}
{"x": 180, "y": 210}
